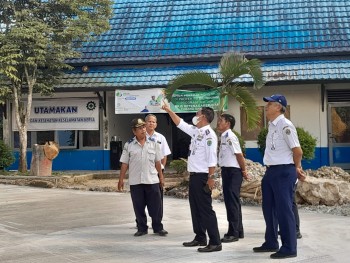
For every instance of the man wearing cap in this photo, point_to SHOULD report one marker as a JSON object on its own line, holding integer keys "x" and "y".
{"x": 142, "y": 158}
{"x": 282, "y": 158}
{"x": 202, "y": 160}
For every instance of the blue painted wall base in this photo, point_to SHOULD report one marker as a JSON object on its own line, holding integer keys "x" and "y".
{"x": 100, "y": 159}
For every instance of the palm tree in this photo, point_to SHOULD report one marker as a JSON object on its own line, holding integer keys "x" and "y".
{"x": 231, "y": 67}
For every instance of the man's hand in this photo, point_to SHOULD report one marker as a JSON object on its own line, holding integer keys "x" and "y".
{"x": 211, "y": 183}
{"x": 301, "y": 174}
{"x": 166, "y": 107}
{"x": 120, "y": 185}
{"x": 246, "y": 175}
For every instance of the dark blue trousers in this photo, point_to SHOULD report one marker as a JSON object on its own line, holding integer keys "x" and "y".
{"x": 147, "y": 195}
{"x": 232, "y": 179}
{"x": 203, "y": 216}
{"x": 277, "y": 199}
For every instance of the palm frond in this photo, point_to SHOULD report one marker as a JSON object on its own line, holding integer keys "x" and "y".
{"x": 248, "y": 102}
{"x": 188, "y": 80}
{"x": 235, "y": 65}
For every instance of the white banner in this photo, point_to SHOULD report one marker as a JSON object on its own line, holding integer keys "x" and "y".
{"x": 136, "y": 101}
{"x": 62, "y": 114}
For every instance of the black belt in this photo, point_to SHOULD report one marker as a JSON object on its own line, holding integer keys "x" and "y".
{"x": 276, "y": 165}
{"x": 192, "y": 173}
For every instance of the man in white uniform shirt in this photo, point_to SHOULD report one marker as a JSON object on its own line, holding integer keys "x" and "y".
{"x": 151, "y": 125}
{"x": 232, "y": 163}
{"x": 202, "y": 160}
{"x": 282, "y": 158}
{"x": 142, "y": 158}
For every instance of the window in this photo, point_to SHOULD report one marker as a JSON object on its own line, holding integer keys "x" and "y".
{"x": 16, "y": 139}
{"x": 91, "y": 138}
{"x": 67, "y": 139}
{"x": 44, "y": 136}
{"x": 251, "y": 135}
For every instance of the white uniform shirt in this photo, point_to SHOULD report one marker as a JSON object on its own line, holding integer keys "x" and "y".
{"x": 281, "y": 138}
{"x": 229, "y": 146}
{"x": 141, "y": 161}
{"x": 163, "y": 144}
{"x": 203, "y": 147}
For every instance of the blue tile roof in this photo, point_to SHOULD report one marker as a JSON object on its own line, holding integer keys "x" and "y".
{"x": 150, "y": 31}
{"x": 142, "y": 77}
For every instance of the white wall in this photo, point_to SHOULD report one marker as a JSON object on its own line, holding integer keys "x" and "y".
{"x": 305, "y": 109}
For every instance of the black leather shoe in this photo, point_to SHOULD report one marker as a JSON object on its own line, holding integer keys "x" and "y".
{"x": 194, "y": 243}
{"x": 140, "y": 233}
{"x": 264, "y": 249}
{"x": 161, "y": 232}
{"x": 241, "y": 235}
{"x": 228, "y": 239}
{"x": 279, "y": 255}
{"x": 210, "y": 248}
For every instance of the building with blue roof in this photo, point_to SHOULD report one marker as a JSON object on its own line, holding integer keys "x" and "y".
{"x": 304, "y": 47}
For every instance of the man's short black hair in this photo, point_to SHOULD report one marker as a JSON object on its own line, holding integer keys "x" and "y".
{"x": 230, "y": 119}
{"x": 208, "y": 113}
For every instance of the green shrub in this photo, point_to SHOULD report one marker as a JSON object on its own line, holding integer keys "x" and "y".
{"x": 6, "y": 156}
{"x": 307, "y": 142}
{"x": 180, "y": 166}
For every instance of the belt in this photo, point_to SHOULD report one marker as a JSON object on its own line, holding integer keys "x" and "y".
{"x": 276, "y": 165}
{"x": 192, "y": 173}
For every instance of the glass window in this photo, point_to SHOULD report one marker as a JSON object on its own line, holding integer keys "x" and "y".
{"x": 67, "y": 139}
{"x": 251, "y": 135}
{"x": 44, "y": 136}
{"x": 16, "y": 139}
{"x": 91, "y": 138}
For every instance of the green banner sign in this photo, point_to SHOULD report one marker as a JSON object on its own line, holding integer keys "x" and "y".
{"x": 191, "y": 101}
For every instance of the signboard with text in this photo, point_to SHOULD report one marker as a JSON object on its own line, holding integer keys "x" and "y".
{"x": 62, "y": 114}
{"x": 151, "y": 101}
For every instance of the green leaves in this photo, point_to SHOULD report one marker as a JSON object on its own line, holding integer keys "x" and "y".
{"x": 36, "y": 38}
{"x": 232, "y": 67}
{"x": 190, "y": 80}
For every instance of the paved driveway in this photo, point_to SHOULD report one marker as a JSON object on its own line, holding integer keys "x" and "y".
{"x": 58, "y": 225}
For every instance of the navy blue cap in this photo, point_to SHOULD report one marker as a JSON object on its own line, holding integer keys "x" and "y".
{"x": 277, "y": 98}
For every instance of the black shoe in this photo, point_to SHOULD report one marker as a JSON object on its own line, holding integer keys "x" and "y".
{"x": 279, "y": 255}
{"x": 264, "y": 249}
{"x": 161, "y": 232}
{"x": 210, "y": 248}
{"x": 140, "y": 233}
{"x": 194, "y": 243}
{"x": 228, "y": 239}
{"x": 241, "y": 235}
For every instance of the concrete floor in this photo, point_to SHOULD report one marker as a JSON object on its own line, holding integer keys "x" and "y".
{"x": 58, "y": 225}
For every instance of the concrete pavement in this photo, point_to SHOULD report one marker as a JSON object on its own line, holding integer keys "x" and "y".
{"x": 59, "y": 225}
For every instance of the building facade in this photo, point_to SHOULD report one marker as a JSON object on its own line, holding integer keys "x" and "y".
{"x": 304, "y": 47}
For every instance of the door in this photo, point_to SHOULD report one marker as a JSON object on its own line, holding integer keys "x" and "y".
{"x": 339, "y": 135}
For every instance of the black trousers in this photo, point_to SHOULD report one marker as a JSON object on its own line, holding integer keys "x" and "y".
{"x": 203, "y": 216}
{"x": 147, "y": 195}
{"x": 232, "y": 179}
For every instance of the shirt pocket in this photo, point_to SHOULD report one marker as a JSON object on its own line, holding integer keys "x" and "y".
{"x": 278, "y": 140}
{"x": 151, "y": 154}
